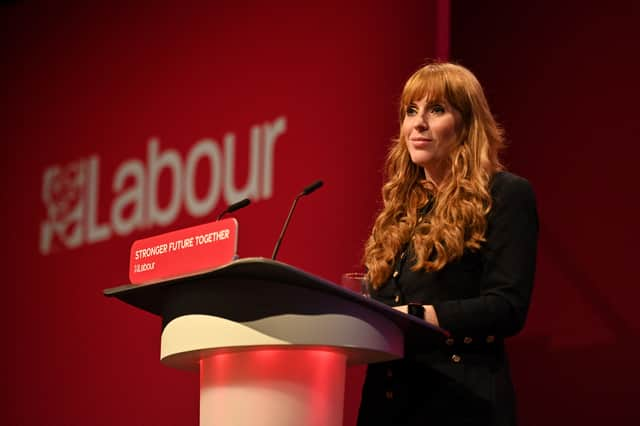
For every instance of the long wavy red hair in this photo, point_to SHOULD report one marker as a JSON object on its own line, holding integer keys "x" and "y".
{"x": 457, "y": 220}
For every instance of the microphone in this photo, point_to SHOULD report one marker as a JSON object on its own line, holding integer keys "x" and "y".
{"x": 308, "y": 190}
{"x": 235, "y": 206}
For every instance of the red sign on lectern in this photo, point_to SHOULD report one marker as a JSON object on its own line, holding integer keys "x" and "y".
{"x": 184, "y": 252}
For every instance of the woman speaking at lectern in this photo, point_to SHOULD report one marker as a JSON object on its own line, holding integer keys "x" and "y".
{"x": 454, "y": 243}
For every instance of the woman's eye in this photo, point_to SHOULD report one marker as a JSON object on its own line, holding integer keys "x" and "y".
{"x": 412, "y": 110}
{"x": 436, "y": 109}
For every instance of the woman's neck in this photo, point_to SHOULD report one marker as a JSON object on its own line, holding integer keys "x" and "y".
{"x": 436, "y": 175}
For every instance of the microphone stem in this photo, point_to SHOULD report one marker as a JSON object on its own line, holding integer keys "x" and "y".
{"x": 284, "y": 228}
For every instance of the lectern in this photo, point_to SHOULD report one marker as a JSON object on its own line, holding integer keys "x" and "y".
{"x": 272, "y": 342}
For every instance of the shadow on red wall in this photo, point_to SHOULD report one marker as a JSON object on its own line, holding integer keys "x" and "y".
{"x": 561, "y": 80}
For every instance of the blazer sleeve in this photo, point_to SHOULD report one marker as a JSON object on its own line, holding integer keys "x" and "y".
{"x": 509, "y": 260}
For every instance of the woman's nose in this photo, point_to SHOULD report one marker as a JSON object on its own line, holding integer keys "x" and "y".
{"x": 421, "y": 122}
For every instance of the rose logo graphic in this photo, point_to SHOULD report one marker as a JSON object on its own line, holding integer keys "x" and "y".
{"x": 63, "y": 193}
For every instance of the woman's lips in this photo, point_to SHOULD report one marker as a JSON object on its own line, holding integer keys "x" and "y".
{"x": 420, "y": 142}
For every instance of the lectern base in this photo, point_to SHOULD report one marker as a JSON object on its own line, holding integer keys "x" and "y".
{"x": 273, "y": 387}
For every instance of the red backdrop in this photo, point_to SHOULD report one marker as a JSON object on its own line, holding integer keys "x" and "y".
{"x": 120, "y": 122}
{"x": 563, "y": 79}
{"x": 85, "y": 82}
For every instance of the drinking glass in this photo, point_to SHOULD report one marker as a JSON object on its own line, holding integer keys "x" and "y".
{"x": 355, "y": 281}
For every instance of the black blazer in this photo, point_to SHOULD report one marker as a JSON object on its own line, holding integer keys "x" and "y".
{"x": 481, "y": 299}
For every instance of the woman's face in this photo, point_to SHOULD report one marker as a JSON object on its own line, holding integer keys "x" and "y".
{"x": 430, "y": 131}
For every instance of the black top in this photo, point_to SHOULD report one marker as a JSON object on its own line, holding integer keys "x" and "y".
{"x": 480, "y": 298}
